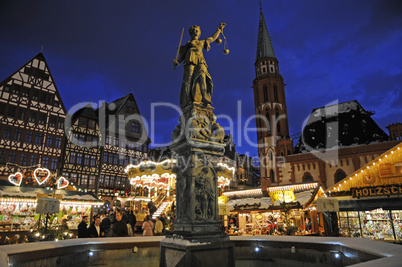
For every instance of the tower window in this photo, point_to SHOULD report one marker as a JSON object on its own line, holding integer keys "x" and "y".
{"x": 268, "y": 122}
{"x": 275, "y": 93}
{"x": 278, "y": 125}
{"x": 265, "y": 91}
{"x": 272, "y": 176}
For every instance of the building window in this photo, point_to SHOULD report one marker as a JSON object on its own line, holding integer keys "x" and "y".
{"x": 272, "y": 176}
{"x": 94, "y": 141}
{"x": 339, "y": 176}
{"x": 2, "y": 108}
{"x": 81, "y": 139}
{"x": 60, "y": 123}
{"x": 92, "y": 180}
{"x": 268, "y": 122}
{"x": 86, "y": 160}
{"x": 107, "y": 179}
{"x": 57, "y": 142}
{"x": 307, "y": 178}
{"x": 84, "y": 180}
{"x": 52, "y": 121}
{"x": 53, "y": 164}
{"x": 49, "y": 140}
{"x": 2, "y": 156}
{"x": 91, "y": 124}
{"x": 135, "y": 127}
{"x": 25, "y": 92}
{"x": 35, "y": 95}
{"x": 276, "y": 93}
{"x": 82, "y": 122}
{"x": 21, "y": 114}
{"x": 16, "y": 89}
{"x": 73, "y": 177}
{"x": 93, "y": 160}
{"x": 32, "y": 116}
{"x": 50, "y": 99}
{"x": 45, "y": 162}
{"x": 34, "y": 160}
{"x": 72, "y": 157}
{"x": 116, "y": 159}
{"x": 17, "y": 135}
{"x": 265, "y": 91}
{"x": 79, "y": 158}
{"x": 43, "y": 97}
{"x": 11, "y": 111}
{"x": 278, "y": 124}
{"x": 110, "y": 158}
{"x": 108, "y": 140}
{"x": 38, "y": 139}
{"x": 116, "y": 141}
{"x": 28, "y": 137}
{"x": 105, "y": 156}
{"x": 24, "y": 160}
{"x": 11, "y": 157}
{"x": 42, "y": 118}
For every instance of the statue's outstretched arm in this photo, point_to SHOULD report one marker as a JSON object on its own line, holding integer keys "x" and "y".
{"x": 217, "y": 33}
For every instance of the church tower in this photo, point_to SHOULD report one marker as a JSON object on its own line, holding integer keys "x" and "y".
{"x": 270, "y": 109}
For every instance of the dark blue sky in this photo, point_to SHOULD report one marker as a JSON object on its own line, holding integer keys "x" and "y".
{"x": 327, "y": 51}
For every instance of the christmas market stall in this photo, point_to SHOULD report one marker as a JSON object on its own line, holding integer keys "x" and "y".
{"x": 284, "y": 211}
{"x": 370, "y": 199}
{"x": 18, "y": 204}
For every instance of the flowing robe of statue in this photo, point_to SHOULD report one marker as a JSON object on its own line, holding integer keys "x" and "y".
{"x": 197, "y": 83}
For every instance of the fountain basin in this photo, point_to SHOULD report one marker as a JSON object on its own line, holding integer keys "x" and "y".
{"x": 250, "y": 251}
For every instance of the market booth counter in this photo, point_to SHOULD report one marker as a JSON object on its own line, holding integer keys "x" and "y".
{"x": 18, "y": 217}
{"x": 370, "y": 199}
{"x": 289, "y": 205}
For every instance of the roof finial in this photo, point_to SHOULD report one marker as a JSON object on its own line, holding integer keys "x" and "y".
{"x": 41, "y": 48}
{"x": 260, "y": 7}
{"x": 131, "y": 90}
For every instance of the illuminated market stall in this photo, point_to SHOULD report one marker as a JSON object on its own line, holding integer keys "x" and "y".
{"x": 370, "y": 199}
{"x": 18, "y": 203}
{"x": 289, "y": 205}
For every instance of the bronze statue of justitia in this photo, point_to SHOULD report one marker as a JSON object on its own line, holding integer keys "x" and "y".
{"x": 197, "y": 82}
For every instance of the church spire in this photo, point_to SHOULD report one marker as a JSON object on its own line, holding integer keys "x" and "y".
{"x": 264, "y": 44}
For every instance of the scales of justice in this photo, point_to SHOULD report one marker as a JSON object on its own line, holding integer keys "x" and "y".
{"x": 197, "y": 141}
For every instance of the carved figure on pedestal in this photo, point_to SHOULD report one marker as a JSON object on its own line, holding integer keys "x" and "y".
{"x": 197, "y": 82}
{"x": 204, "y": 195}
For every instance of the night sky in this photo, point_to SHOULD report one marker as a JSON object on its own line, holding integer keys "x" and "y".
{"x": 328, "y": 51}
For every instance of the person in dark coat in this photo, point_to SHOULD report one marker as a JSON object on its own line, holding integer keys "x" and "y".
{"x": 96, "y": 229}
{"x": 132, "y": 220}
{"x": 120, "y": 227}
{"x": 83, "y": 228}
{"x": 106, "y": 224}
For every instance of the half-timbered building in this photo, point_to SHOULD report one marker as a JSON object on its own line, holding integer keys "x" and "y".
{"x": 32, "y": 118}
{"x": 101, "y": 143}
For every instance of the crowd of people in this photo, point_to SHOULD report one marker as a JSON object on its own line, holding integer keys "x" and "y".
{"x": 120, "y": 224}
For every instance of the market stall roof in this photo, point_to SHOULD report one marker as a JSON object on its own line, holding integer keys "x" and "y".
{"x": 299, "y": 187}
{"x": 302, "y": 199}
{"x": 384, "y": 170}
{"x": 31, "y": 192}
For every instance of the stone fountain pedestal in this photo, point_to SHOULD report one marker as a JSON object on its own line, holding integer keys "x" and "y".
{"x": 197, "y": 239}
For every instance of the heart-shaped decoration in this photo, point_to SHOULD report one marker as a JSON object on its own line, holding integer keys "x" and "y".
{"x": 62, "y": 183}
{"x": 41, "y": 175}
{"x": 15, "y": 178}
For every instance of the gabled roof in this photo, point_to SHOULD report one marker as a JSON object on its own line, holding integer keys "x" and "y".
{"x": 264, "y": 44}
{"x": 339, "y": 125}
{"x": 88, "y": 111}
{"x": 39, "y": 57}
